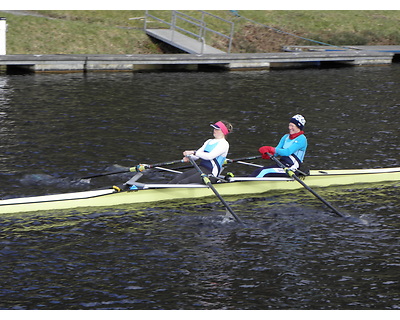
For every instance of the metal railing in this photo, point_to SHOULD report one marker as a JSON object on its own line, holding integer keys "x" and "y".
{"x": 199, "y": 24}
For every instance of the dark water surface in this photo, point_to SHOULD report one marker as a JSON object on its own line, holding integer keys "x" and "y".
{"x": 293, "y": 254}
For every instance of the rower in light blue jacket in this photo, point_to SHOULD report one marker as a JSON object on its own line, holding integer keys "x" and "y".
{"x": 291, "y": 148}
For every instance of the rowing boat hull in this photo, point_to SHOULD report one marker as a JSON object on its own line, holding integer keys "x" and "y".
{"x": 154, "y": 193}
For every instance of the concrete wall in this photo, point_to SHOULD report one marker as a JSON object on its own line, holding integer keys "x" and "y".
{"x": 3, "y": 31}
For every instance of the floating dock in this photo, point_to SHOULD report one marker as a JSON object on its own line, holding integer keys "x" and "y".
{"x": 198, "y": 56}
{"x": 193, "y": 62}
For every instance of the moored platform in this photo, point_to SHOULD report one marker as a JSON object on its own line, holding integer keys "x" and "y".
{"x": 164, "y": 62}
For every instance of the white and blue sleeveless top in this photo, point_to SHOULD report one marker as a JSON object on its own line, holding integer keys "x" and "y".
{"x": 213, "y": 154}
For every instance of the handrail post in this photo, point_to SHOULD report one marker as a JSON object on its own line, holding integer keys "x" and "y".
{"x": 203, "y": 24}
{"x": 145, "y": 19}
{"x": 203, "y": 36}
{"x": 173, "y": 24}
{"x": 231, "y": 37}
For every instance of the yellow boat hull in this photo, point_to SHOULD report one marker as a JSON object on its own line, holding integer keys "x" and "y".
{"x": 154, "y": 193}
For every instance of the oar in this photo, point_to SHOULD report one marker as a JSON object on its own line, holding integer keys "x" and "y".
{"x": 207, "y": 181}
{"x": 261, "y": 166}
{"x": 291, "y": 174}
{"x": 227, "y": 161}
{"x": 137, "y": 168}
{"x": 251, "y": 164}
{"x": 241, "y": 159}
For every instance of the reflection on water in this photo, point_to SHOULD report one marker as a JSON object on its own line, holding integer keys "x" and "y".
{"x": 293, "y": 254}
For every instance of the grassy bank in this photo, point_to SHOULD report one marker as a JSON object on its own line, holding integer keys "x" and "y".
{"x": 112, "y": 32}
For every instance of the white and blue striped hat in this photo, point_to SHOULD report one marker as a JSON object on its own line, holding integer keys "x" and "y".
{"x": 299, "y": 121}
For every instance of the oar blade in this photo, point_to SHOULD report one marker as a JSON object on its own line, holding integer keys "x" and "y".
{"x": 207, "y": 182}
{"x": 291, "y": 174}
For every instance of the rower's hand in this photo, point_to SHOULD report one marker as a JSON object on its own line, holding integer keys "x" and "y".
{"x": 266, "y": 149}
{"x": 141, "y": 167}
{"x": 188, "y": 153}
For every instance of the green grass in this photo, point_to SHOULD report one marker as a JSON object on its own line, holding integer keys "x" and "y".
{"x": 111, "y": 32}
{"x": 77, "y": 32}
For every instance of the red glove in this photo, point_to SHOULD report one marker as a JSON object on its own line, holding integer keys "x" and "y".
{"x": 265, "y": 149}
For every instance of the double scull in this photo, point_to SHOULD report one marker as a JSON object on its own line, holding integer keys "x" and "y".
{"x": 237, "y": 186}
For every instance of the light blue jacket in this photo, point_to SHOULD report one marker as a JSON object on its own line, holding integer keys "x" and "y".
{"x": 287, "y": 147}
